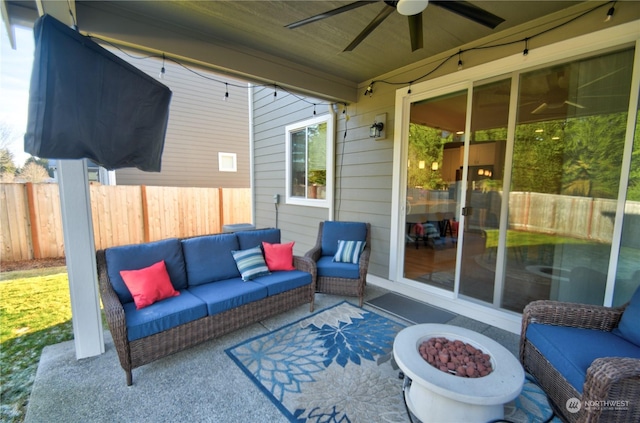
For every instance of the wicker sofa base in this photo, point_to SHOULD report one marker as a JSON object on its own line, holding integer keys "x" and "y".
{"x": 154, "y": 347}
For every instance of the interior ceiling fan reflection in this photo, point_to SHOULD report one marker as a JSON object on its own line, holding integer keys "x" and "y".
{"x": 413, "y": 10}
{"x": 557, "y": 96}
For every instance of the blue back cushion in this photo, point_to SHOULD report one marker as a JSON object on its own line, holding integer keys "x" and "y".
{"x": 629, "y": 326}
{"x": 134, "y": 257}
{"x": 208, "y": 258}
{"x": 250, "y": 239}
{"x": 333, "y": 231}
{"x": 572, "y": 350}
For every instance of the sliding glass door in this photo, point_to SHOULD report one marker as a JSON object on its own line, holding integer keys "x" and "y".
{"x": 512, "y": 186}
{"x": 434, "y": 189}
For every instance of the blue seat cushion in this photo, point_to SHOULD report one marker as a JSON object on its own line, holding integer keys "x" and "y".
{"x": 250, "y": 239}
{"x": 572, "y": 350}
{"x": 138, "y": 256}
{"x": 629, "y": 326}
{"x": 231, "y": 293}
{"x": 163, "y": 315}
{"x": 208, "y": 258}
{"x": 333, "y": 231}
{"x": 331, "y": 269}
{"x": 282, "y": 281}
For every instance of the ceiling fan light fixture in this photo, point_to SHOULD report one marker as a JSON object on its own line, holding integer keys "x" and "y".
{"x": 411, "y": 7}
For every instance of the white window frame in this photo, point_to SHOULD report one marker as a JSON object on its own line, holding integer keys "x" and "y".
{"x": 326, "y": 202}
{"x": 221, "y": 160}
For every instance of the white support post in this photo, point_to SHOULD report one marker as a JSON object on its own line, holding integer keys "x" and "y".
{"x": 79, "y": 247}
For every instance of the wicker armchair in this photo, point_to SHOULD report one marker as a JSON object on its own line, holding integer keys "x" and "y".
{"x": 332, "y": 283}
{"x": 607, "y": 379}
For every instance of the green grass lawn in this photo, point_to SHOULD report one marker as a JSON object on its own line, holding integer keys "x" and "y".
{"x": 35, "y": 311}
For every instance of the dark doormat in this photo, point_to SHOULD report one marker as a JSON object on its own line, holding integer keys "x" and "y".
{"x": 411, "y": 310}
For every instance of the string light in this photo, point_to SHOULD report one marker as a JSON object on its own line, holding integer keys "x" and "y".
{"x": 369, "y": 90}
{"x": 314, "y": 109}
{"x": 610, "y": 12}
{"x": 161, "y": 75}
{"x": 525, "y": 52}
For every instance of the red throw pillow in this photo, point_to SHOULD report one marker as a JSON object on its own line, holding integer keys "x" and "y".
{"x": 278, "y": 256}
{"x": 149, "y": 284}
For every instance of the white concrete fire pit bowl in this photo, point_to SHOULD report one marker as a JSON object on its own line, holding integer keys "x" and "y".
{"x": 437, "y": 396}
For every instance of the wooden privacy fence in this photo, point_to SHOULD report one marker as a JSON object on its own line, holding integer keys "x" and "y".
{"x": 31, "y": 223}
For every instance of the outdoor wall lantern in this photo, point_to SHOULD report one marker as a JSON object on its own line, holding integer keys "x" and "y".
{"x": 376, "y": 130}
{"x": 434, "y": 166}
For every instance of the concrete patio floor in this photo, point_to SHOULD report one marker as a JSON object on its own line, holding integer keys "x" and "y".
{"x": 200, "y": 384}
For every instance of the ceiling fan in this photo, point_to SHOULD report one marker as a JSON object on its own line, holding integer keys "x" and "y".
{"x": 557, "y": 96}
{"x": 413, "y": 10}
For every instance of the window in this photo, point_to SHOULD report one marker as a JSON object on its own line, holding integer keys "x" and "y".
{"x": 310, "y": 161}
{"x": 227, "y": 162}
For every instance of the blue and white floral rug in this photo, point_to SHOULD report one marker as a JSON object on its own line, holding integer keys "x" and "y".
{"x": 335, "y": 366}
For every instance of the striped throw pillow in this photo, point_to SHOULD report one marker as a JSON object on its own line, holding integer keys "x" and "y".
{"x": 250, "y": 263}
{"x": 349, "y": 251}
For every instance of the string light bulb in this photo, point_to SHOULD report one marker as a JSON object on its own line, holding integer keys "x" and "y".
{"x": 275, "y": 92}
{"x": 610, "y": 12}
{"x": 369, "y": 90}
{"x": 460, "y": 60}
{"x": 226, "y": 92}
{"x": 525, "y": 52}
{"x": 162, "y": 70}
{"x": 314, "y": 109}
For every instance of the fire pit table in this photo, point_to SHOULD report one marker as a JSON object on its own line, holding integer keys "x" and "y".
{"x": 437, "y": 396}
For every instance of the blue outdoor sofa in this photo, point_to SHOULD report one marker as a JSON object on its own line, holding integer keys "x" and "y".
{"x": 213, "y": 296}
{"x": 585, "y": 357}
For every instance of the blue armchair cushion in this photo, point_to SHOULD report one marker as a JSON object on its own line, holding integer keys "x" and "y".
{"x": 138, "y": 256}
{"x": 278, "y": 282}
{"x": 333, "y": 231}
{"x": 162, "y": 315}
{"x": 225, "y": 295}
{"x": 349, "y": 251}
{"x": 331, "y": 269}
{"x": 250, "y": 263}
{"x": 209, "y": 259}
{"x": 629, "y": 326}
{"x": 572, "y": 350}
{"x": 250, "y": 239}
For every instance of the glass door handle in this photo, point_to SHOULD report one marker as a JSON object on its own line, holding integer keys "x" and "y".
{"x": 467, "y": 211}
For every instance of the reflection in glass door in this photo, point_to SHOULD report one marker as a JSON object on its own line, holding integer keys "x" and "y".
{"x": 487, "y": 146}
{"x": 434, "y": 184}
{"x": 565, "y": 179}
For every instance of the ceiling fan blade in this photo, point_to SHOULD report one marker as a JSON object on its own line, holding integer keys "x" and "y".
{"x": 571, "y": 103}
{"x": 330, "y": 13}
{"x": 469, "y": 11}
{"x": 372, "y": 25}
{"x": 415, "y": 31}
{"x": 541, "y": 108}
